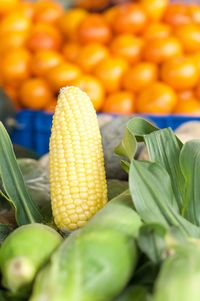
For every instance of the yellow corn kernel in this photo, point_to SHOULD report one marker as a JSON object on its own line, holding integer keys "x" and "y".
{"x": 77, "y": 173}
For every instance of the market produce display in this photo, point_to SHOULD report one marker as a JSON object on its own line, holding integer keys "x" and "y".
{"x": 144, "y": 242}
{"x": 136, "y": 56}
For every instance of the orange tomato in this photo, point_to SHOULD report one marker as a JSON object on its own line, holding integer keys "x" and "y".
{"x": 196, "y": 59}
{"x": 7, "y": 5}
{"x": 15, "y": 66}
{"x": 187, "y": 107}
{"x": 44, "y": 36}
{"x": 121, "y": 102}
{"x": 194, "y": 12}
{"x": 35, "y": 93}
{"x": 189, "y": 36}
{"x": 185, "y": 95}
{"x": 62, "y": 75}
{"x": 26, "y": 8}
{"x": 94, "y": 28}
{"x": 127, "y": 46}
{"x": 70, "y": 22}
{"x": 158, "y": 98}
{"x": 109, "y": 15}
{"x": 159, "y": 50}
{"x": 140, "y": 76}
{"x": 157, "y": 31}
{"x": 15, "y": 21}
{"x": 71, "y": 51}
{"x": 129, "y": 18}
{"x": 44, "y": 60}
{"x": 93, "y": 87}
{"x": 176, "y": 14}
{"x": 48, "y": 11}
{"x": 90, "y": 55}
{"x": 110, "y": 71}
{"x": 197, "y": 92}
{"x": 12, "y": 40}
{"x": 181, "y": 73}
{"x": 154, "y": 8}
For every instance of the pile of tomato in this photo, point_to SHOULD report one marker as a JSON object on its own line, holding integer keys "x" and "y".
{"x": 142, "y": 56}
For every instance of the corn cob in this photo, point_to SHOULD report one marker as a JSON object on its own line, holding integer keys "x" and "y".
{"x": 77, "y": 174}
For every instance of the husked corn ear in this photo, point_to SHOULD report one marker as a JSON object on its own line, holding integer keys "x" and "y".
{"x": 77, "y": 173}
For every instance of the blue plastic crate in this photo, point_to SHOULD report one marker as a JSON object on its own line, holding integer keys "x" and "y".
{"x": 33, "y": 128}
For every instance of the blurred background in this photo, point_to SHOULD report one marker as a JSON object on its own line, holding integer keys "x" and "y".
{"x": 131, "y": 57}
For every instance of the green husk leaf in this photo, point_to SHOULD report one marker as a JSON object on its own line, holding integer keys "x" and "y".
{"x": 154, "y": 202}
{"x": 139, "y": 127}
{"x": 128, "y": 146}
{"x": 179, "y": 276}
{"x": 152, "y": 242}
{"x": 164, "y": 148}
{"x": 26, "y": 210}
{"x": 190, "y": 166}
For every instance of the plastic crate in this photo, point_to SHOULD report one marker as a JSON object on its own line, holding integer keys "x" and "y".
{"x": 33, "y": 128}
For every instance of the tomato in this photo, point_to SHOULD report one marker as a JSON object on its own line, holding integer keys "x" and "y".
{"x": 140, "y": 76}
{"x": 157, "y": 31}
{"x": 154, "y": 8}
{"x": 159, "y": 50}
{"x": 44, "y": 36}
{"x": 26, "y": 8}
{"x": 12, "y": 40}
{"x": 91, "y": 55}
{"x": 158, "y": 98}
{"x": 15, "y": 66}
{"x": 7, "y": 6}
{"x": 187, "y": 107}
{"x": 129, "y": 18}
{"x": 177, "y": 13}
{"x": 127, "y": 46}
{"x": 35, "y": 93}
{"x": 121, "y": 102}
{"x": 15, "y": 21}
{"x": 48, "y": 11}
{"x": 70, "y": 21}
{"x": 181, "y": 73}
{"x": 44, "y": 60}
{"x": 189, "y": 36}
{"x": 94, "y": 28}
{"x": 110, "y": 71}
{"x": 194, "y": 12}
{"x": 62, "y": 75}
{"x": 93, "y": 87}
{"x": 71, "y": 51}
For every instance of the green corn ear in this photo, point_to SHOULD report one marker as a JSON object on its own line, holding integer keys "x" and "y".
{"x": 23, "y": 253}
{"x": 96, "y": 262}
{"x": 179, "y": 277}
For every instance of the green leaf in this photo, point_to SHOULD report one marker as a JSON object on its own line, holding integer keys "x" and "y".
{"x": 26, "y": 210}
{"x": 190, "y": 166}
{"x": 136, "y": 128}
{"x": 154, "y": 200}
{"x": 128, "y": 146}
{"x": 5, "y": 230}
{"x": 139, "y": 127}
{"x": 151, "y": 241}
{"x": 164, "y": 148}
